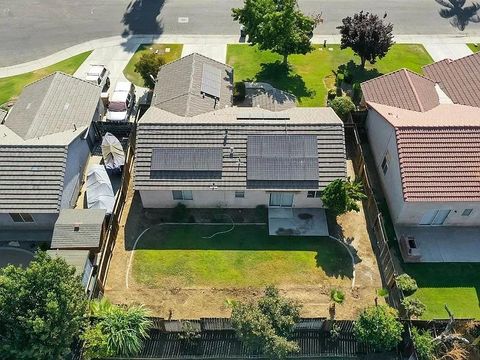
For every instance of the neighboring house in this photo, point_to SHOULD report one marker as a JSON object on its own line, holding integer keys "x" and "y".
{"x": 45, "y": 143}
{"x": 193, "y": 147}
{"x": 424, "y": 133}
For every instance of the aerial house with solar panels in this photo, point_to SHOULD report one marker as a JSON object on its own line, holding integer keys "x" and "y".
{"x": 194, "y": 147}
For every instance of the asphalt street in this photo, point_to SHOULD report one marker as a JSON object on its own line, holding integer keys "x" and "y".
{"x": 30, "y": 29}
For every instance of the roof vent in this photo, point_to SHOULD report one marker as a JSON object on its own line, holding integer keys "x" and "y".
{"x": 66, "y": 106}
{"x": 76, "y": 228}
{"x": 231, "y": 151}
{"x": 28, "y": 106}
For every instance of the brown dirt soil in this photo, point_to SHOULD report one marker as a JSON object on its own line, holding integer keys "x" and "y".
{"x": 196, "y": 302}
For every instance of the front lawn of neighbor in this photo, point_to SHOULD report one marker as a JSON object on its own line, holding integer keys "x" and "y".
{"x": 313, "y": 74}
{"x": 179, "y": 256}
{"x": 474, "y": 47}
{"x": 454, "y": 284}
{"x": 12, "y": 86}
{"x": 174, "y": 54}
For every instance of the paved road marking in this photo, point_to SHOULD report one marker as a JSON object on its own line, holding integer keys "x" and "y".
{"x": 183, "y": 20}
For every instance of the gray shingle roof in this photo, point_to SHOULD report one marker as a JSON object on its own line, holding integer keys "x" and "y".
{"x": 31, "y": 178}
{"x": 282, "y": 157}
{"x": 54, "y": 104}
{"x": 179, "y": 86}
{"x": 78, "y": 229}
{"x": 76, "y": 258}
{"x": 223, "y": 129}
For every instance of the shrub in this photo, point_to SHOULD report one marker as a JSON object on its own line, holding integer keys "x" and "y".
{"x": 148, "y": 66}
{"x": 382, "y": 292}
{"x": 239, "y": 91}
{"x": 343, "y": 106}
{"x": 332, "y": 93}
{"x": 378, "y": 327}
{"x": 423, "y": 343}
{"x": 340, "y": 78}
{"x": 334, "y": 332}
{"x": 179, "y": 213}
{"x": 341, "y": 196}
{"x": 337, "y": 296}
{"x": 406, "y": 283}
{"x": 356, "y": 93}
{"x": 347, "y": 77}
{"x": 413, "y": 307}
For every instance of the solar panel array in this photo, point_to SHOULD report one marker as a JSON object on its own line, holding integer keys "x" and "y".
{"x": 211, "y": 81}
{"x": 187, "y": 159}
{"x": 282, "y": 157}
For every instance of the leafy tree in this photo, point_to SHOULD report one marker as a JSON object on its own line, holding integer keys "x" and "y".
{"x": 406, "y": 283}
{"x": 42, "y": 309}
{"x": 424, "y": 344}
{"x": 341, "y": 196}
{"x": 343, "y": 106}
{"x": 123, "y": 328}
{"x": 267, "y": 324}
{"x": 148, "y": 66}
{"x": 367, "y": 35}
{"x": 413, "y": 307}
{"x": 276, "y": 25}
{"x": 378, "y": 327}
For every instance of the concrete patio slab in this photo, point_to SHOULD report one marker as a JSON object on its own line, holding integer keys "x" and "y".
{"x": 297, "y": 222}
{"x": 444, "y": 243}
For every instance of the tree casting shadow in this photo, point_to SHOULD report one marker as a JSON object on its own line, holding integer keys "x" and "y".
{"x": 459, "y": 14}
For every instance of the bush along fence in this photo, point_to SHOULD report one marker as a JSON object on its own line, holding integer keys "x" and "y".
{"x": 215, "y": 338}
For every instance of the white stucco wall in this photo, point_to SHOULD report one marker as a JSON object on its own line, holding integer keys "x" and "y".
{"x": 41, "y": 221}
{"x": 381, "y": 136}
{"x": 78, "y": 155}
{"x": 413, "y": 212}
{"x": 221, "y": 198}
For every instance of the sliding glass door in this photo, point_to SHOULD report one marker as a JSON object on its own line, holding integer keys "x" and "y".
{"x": 281, "y": 199}
{"x": 434, "y": 217}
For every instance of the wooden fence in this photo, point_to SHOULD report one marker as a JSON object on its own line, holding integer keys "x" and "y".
{"x": 374, "y": 217}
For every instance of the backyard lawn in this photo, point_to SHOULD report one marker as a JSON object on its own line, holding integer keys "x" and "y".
{"x": 174, "y": 54}
{"x": 313, "y": 74}
{"x": 474, "y": 47}
{"x": 180, "y": 256}
{"x": 12, "y": 86}
{"x": 454, "y": 284}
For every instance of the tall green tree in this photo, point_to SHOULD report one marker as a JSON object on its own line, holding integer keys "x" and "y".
{"x": 367, "y": 35}
{"x": 42, "y": 309}
{"x": 148, "y": 66}
{"x": 267, "y": 324}
{"x": 378, "y": 327}
{"x": 341, "y": 196}
{"x": 277, "y": 25}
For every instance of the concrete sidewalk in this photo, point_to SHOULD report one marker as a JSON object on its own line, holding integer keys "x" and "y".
{"x": 210, "y": 45}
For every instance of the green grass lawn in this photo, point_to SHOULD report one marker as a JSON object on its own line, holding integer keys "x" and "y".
{"x": 474, "y": 47}
{"x": 12, "y": 86}
{"x": 313, "y": 74}
{"x": 175, "y": 256}
{"x": 454, "y": 284}
{"x": 174, "y": 54}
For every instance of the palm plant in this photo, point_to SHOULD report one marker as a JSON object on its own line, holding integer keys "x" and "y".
{"x": 459, "y": 14}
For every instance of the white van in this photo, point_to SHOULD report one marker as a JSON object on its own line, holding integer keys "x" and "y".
{"x": 121, "y": 102}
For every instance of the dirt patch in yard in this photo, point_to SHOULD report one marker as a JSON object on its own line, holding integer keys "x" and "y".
{"x": 195, "y": 302}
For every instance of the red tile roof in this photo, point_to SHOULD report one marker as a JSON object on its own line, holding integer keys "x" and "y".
{"x": 439, "y": 163}
{"x": 459, "y": 79}
{"x": 402, "y": 89}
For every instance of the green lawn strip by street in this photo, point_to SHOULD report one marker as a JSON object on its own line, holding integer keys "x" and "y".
{"x": 474, "y": 47}
{"x": 174, "y": 54}
{"x": 12, "y": 86}
{"x": 313, "y": 74}
{"x": 177, "y": 255}
{"x": 454, "y": 284}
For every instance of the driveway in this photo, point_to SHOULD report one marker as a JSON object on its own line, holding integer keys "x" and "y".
{"x": 447, "y": 51}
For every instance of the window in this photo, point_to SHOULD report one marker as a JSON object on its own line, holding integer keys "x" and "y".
{"x": 21, "y": 217}
{"x": 434, "y": 217}
{"x": 385, "y": 162}
{"x": 240, "y": 194}
{"x": 314, "y": 194}
{"x": 182, "y": 195}
{"x": 467, "y": 212}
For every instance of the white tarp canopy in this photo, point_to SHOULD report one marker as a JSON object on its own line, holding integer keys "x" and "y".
{"x": 112, "y": 151}
{"x": 99, "y": 189}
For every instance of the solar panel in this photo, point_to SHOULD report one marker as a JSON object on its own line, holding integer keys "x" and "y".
{"x": 211, "y": 81}
{"x": 282, "y": 157}
{"x": 187, "y": 159}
